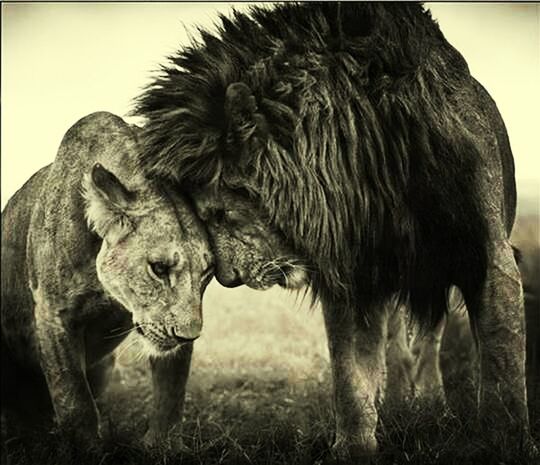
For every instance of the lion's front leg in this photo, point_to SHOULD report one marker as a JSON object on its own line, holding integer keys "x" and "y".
{"x": 62, "y": 360}
{"x": 357, "y": 355}
{"x": 498, "y": 318}
{"x": 169, "y": 375}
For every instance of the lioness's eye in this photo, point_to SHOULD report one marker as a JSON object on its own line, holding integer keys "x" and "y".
{"x": 160, "y": 269}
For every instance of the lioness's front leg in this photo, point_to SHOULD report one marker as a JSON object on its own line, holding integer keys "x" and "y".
{"x": 62, "y": 359}
{"x": 357, "y": 355}
{"x": 169, "y": 375}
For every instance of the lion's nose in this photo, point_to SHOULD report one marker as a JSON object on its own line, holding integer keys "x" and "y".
{"x": 229, "y": 276}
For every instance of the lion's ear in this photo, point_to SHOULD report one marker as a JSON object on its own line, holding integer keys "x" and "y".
{"x": 243, "y": 120}
{"x": 107, "y": 203}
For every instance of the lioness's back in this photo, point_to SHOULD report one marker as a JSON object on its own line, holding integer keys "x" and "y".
{"x": 18, "y": 347}
{"x": 17, "y": 301}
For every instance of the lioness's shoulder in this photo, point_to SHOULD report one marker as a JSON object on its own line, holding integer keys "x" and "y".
{"x": 91, "y": 135}
{"x": 97, "y": 122}
{"x": 58, "y": 231}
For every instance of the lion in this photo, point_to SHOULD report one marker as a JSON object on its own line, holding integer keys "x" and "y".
{"x": 74, "y": 287}
{"x": 355, "y": 133}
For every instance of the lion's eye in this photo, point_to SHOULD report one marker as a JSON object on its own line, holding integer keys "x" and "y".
{"x": 219, "y": 215}
{"x": 208, "y": 274}
{"x": 160, "y": 269}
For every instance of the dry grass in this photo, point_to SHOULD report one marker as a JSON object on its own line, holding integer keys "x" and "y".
{"x": 260, "y": 393}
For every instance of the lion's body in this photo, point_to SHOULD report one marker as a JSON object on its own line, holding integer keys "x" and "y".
{"x": 374, "y": 143}
{"x": 69, "y": 295}
{"x": 358, "y": 131}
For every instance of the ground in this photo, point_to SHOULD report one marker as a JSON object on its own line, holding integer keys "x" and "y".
{"x": 259, "y": 392}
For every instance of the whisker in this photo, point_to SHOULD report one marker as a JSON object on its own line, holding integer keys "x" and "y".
{"x": 285, "y": 277}
{"x": 267, "y": 265}
{"x": 117, "y": 329}
{"x": 123, "y": 333}
{"x": 127, "y": 346}
{"x": 140, "y": 355}
{"x": 297, "y": 263}
{"x": 303, "y": 297}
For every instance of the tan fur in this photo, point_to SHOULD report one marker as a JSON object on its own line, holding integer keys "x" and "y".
{"x": 251, "y": 252}
{"x": 71, "y": 296}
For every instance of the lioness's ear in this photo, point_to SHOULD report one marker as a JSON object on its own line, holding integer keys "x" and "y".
{"x": 107, "y": 203}
{"x": 111, "y": 187}
{"x": 243, "y": 120}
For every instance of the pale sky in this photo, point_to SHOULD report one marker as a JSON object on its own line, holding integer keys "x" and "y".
{"x": 63, "y": 61}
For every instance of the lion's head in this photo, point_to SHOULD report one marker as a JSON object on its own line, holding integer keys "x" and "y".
{"x": 154, "y": 259}
{"x": 249, "y": 250}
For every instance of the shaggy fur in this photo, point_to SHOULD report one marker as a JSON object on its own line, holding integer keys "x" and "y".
{"x": 355, "y": 141}
{"x": 70, "y": 296}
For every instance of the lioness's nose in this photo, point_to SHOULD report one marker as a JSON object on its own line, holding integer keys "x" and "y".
{"x": 186, "y": 333}
{"x": 181, "y": 339}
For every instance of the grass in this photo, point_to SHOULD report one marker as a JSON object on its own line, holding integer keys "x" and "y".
{"x": 259, "y": 393}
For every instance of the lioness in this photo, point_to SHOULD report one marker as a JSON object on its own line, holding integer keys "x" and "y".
{"x": 73, "y": 287}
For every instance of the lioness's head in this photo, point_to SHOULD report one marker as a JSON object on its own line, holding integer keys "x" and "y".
{"x": 154, "y": 259}
{"x": 248, "y": 249}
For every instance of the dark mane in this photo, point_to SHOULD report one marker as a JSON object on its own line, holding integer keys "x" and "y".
{"x": 359, "y": 146}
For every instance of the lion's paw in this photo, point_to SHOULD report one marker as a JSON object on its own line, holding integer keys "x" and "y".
{"x": 340, "y": 454}
{"x": 171, "y": 441}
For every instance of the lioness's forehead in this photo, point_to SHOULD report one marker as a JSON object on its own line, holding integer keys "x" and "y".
{"x": 174, "y": 224}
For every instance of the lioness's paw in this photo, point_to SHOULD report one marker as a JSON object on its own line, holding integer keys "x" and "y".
{"x": 531, "y": 448}
{"x": 80, "y": 439}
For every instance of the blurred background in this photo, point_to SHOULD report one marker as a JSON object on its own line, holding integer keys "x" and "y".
{"x": 260, "y": 382}
{"x": 62, "y": 61}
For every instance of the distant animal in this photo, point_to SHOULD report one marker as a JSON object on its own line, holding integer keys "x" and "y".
{"x": 354, "y": 135}
{"x": 73, "y": 287}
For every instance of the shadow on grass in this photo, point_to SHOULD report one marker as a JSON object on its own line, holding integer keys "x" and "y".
{"x": 255, "y": 422}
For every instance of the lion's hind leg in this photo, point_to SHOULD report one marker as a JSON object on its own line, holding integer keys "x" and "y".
{"x": 413, "y": 360}
{"x": 399, "y": 359}
{"x": 428, "y": 379}
{"x": 497, "y": 316}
